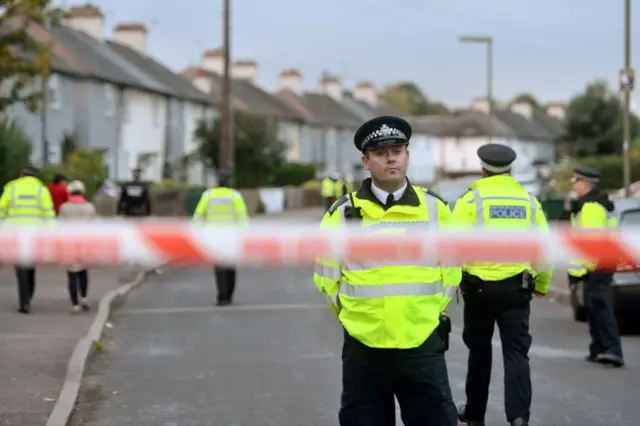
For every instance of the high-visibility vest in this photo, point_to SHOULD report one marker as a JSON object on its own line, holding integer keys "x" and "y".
{"x": 27, "y": 201}
{"x": 221, "y": 206}
{"x": 328, "y": 188}
{"x": 500, "y": 202}
{"x": 394, "y": 304}
{"x": 339, "y": 190}
{"x": 598, "y": 218}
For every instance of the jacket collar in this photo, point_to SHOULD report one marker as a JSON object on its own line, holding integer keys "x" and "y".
{"x": 409, "y": 198}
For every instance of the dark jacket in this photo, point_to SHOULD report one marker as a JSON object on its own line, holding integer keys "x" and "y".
{"x": 594, "y": 196}
{"x": 134, "y": 200}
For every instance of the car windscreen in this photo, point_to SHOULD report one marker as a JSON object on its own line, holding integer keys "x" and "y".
{"x": 630, "y": 218}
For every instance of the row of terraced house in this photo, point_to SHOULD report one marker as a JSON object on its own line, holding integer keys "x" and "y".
{"x": 111, "y": 95}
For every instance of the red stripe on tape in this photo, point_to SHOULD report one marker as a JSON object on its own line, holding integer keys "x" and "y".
{"x": 175, "y": 245}
{"x": 605, "y": 249}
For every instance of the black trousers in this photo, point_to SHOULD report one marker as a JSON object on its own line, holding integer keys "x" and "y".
{"x": 417, "y": 377}
{"x": 226, "y": 283}
{"x": 26, "y": 278}
{"x": 603, "y": 328}
{"x": 328, "y": 202}
{"x": 78, "y": 285}
{"x": 506, "y": 303}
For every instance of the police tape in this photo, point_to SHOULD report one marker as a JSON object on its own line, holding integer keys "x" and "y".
{"x": 109, "y": 243}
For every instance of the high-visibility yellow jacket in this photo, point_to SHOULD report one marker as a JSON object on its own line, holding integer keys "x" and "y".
{"x": 27, "y": 201}
{"x": 328, "y": 188}
{"x": 221, "y": 206}
{"x": 393, "y": 304}
{"x": 500, "y": 202}
{"x": 595, "y": 212}
{"x": 339, "y": 190}
{"x": 349, "y": 185}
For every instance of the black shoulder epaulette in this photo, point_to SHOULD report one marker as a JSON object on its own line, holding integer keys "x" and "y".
{"x": 434, "y": 194}
{"x": 338, "y": 203}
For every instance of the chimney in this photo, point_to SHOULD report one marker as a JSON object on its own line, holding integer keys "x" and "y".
{"x": 200, "y": 78}
{"x": 330, "y": 86}
{"x": 213, "y": 61}
{"x": 133, "y": 35}
{"x": 480, "y": 104}
{"x": 290, "y": 79}
{"x": 246, "y": 69}
{"x": 556, "y": 110}
{"x": 522, "y": 108}
{"x": 88, "y": 19}
{"x": 365, "y": 91}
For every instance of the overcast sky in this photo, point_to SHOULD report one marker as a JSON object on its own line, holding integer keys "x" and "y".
{"x": 549, "y": 47}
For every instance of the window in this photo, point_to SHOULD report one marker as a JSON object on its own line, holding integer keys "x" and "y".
{"x": 110, "y": 100}
{"x": 54, "y": 92}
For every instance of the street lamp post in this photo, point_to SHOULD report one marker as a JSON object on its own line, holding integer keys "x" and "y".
{"x": 488, "y": 41}
{"x": 627, "y": 83}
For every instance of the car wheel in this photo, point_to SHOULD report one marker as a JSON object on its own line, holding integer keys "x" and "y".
{"x": 579, "y": 311}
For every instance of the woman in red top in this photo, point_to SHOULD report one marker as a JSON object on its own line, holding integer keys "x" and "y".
{"x": 59, "y": 192}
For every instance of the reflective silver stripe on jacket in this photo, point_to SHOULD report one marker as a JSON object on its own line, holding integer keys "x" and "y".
{"x": 479, "y": 200}
{"x": 217, "y": 215}
{"x": 329, "y": 272}
{"x": 27, "y": 201}
{"x": 397, "y": 289}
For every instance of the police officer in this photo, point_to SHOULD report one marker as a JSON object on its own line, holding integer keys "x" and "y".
{"x": 26, "y": 201}
{"x": 499, "y": 293}
{"x": 391, "y": 314}
{"x": 340, "y": 188}
{"x": 134, "y": 198}
{"x": 592, "y": 211}
{"x": 327, "y": 191}
{"x": 221, "y": 206}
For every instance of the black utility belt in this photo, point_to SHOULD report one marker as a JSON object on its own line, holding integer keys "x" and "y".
{"x": 518, "y": 282}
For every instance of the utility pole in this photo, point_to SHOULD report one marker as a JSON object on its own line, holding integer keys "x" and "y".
{"x": 627, "y": 83}
{"x": 488, "y": 41}
{"x": 225, "y": 107}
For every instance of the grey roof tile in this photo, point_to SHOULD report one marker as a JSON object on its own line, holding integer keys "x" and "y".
{"x": 293, "y": 101}
{"x": 247, "y": 96}
{"x": 476, "y": 123}
{"x": 525, "y": 129}
{"x": 179, "y": 87}
{"x": 554, "y": 126}
{"x": 104, "y": 63}
{"x": 430, "y": 124}
{"x": 329, "y": 111}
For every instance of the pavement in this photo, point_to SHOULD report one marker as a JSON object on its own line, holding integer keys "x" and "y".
{"x": 35, "y": 349}
{"x": 273, "y": 359}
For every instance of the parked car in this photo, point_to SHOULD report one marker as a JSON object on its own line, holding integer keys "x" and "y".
{"x": 625, "y": 294}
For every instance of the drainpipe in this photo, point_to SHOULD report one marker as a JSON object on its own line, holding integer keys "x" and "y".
{"x": 43, "y": 121}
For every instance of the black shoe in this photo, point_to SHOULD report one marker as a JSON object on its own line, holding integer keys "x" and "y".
{"x": 591, "y": 358}
{"x": 610, "y": 359}
{"x": 519, "y": 422}
{"x": 462, "y": 416}
{"x": 24, "y": 310}
{"x": 223, "y": 303}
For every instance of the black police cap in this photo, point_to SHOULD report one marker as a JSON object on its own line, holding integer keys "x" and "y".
{"x": 496, "y": 158}
{"x": 224, "y": 174}
{"x": 586, "y": 173}
{"x": 382, "y": 131}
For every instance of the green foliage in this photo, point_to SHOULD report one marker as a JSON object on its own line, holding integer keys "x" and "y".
{"x": 528, "y": 98}
{"x": 610, "y": 167}
{"x": 15, "y": 151}
{"x": 407, "y": 98}
{"x": 82, "y": 164}
{"x": 294, "y": 174}
{"x": 23, "y": 56}
{"x": 259, "y": 154}
{"x": 594, "y": 123}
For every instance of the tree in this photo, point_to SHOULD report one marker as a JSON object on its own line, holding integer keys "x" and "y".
{"x": 15, "y": 151}
{"x": 259, "y": 154}
{"x": 83, "y": 164}
{"x": 593, "y": 124}
{"x": 407, "y": 98}
{"x": 23, "y": 57}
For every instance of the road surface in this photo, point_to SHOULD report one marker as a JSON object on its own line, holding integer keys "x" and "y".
{"x": 274, "y": 360}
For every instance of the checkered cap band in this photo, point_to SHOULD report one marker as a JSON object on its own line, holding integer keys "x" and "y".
{"x": 384, "y": 131}
{"x": 585, "y": 178}
{"x": 495, "y": 169}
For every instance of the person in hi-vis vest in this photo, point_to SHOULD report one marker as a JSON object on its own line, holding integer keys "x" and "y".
{"x": 593, "y": 210}
{"x": 26, "y": 201}
{"x": 395, "y": 329}
{"x": 223, "y": 206}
